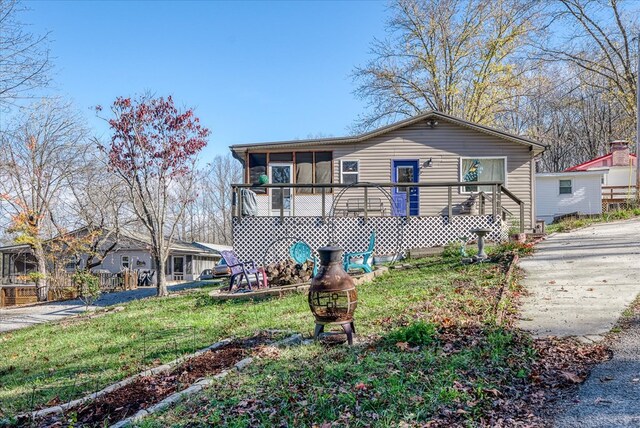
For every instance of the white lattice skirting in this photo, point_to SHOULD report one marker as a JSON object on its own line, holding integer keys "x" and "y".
{"x": 267, "y": 239}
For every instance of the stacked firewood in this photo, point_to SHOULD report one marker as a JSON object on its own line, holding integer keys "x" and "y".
{"x": 289, "y": 272}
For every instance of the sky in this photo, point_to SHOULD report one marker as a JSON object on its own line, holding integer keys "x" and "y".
{"x": 253, "y": 71}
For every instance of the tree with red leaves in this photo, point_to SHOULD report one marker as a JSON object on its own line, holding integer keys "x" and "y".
{"x": 153, "y": 149}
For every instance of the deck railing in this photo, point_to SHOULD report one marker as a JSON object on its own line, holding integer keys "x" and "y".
{"x": 616, "y": 197}
{"x": 367, "y": 199}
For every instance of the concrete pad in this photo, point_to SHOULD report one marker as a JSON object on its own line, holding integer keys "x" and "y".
{"x": 581, "y": 281}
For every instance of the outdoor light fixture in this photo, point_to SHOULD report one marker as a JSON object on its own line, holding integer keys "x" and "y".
{"x": 428, "y": 163}
{"x": 432, "y": 123}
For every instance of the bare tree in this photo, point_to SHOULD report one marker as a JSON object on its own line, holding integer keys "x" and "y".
{"x": 454, "y": 56}
{"x": 24, "y": 57}
{"x": 39, "y": 156}
{"x": 208, "y": 215}
{"x": 221, "y": 173}
{"x": 599, "y": 44}
{"x": 100, "y": 206}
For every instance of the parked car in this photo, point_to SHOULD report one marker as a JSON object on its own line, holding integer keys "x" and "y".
{"x": 221, "y": 269}
{"x": 207, "y": 274}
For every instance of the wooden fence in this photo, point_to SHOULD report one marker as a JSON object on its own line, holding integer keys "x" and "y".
{"x": 61, "y": 287}
{"x": 617, "y": 197}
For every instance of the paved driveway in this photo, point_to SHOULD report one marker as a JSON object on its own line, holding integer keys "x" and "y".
{"x": 16, "y": 318}
{"x": 580, "y": 282}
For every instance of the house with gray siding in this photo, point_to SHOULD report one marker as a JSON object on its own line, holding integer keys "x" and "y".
{"x": 430, "y": 149}
{"x": 129, "y": 251}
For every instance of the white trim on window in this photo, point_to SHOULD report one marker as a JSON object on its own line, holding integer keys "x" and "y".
{"x": 356, "y": 173}
{"x": 122, "y": 262}
{"x": 460, "y": 174}
{"x": 570, "y": 187}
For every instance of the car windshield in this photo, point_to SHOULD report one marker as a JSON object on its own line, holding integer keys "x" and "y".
{"x": 222, "y": 263}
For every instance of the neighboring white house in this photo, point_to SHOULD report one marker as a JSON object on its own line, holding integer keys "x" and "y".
{"x": 568, "y": 192}
{"x": 619, "y": 174}
{"x": 619, "y": 165}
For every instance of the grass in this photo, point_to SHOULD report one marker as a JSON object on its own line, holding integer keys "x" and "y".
{"x": 316, "y": 386}
{"x": 60, "y": 361}
{"x": 570, "y": 224}
{"x": 435, "y": 351}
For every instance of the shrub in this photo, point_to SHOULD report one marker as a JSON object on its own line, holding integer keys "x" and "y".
{"x": 511, "y": 247}
{"x": 36, "y": 276}
{"x": 416, "y": 334}
{"x": 88, "y": 286}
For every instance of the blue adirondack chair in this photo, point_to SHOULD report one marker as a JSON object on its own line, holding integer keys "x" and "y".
{"x": 366, "y": 256}
{"x": 300, "y": 252}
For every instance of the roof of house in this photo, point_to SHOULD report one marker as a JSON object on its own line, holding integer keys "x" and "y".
{"x": 383, "y": 130}
{"x": 176, "y": 245}
{"x": 586, "y": 165}
{"x": 132, "y": 240}
{"x": 597, "y": 172}
{"x": 215, "y": 247}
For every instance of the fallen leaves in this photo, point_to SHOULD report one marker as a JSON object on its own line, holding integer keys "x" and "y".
{"x": 572, "y": 377}
{"x": 361, "y": 387}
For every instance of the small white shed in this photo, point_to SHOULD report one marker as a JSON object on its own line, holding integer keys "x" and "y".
{"x": 568, "y": 192}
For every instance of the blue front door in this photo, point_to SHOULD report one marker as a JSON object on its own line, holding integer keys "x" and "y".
{"x": 405, "y": 171}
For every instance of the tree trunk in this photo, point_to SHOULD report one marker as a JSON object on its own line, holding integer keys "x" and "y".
{"x": 162, "y": 278}
{"x": 42, "y": 283}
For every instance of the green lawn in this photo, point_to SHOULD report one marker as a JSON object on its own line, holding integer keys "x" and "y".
{"x": 53, "y": 362}
{"x": 570, "y": 224}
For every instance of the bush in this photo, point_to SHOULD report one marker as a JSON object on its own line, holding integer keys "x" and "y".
{"x": 36, "y": 276}
{"x": 452, "y": 250}
{"x": 511, "y": 247}
{"x": 88, "y": 286}
{"x": 416, "y": 334}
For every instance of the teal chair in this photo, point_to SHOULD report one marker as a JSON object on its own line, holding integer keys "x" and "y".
{"x": 366, "y": 256}
{"x": 300, "y": 252}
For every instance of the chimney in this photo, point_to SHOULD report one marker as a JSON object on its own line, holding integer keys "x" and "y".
{"x": 620, "y": 152}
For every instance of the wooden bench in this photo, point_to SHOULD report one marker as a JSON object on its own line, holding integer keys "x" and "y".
{"x": 356, "y": 206}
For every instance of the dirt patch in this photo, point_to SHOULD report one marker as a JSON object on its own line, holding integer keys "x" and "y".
{"x": 149, "y": 390}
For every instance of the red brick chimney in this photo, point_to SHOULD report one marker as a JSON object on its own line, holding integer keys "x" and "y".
{"x": 620, "y": 152}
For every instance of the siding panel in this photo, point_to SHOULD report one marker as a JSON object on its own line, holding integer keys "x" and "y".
{"x": 445, "y": 145}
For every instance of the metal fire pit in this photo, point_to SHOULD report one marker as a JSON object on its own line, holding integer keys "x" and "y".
{"x": 332, "y": 295}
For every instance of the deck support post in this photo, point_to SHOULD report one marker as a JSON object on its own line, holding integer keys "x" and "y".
{"x": 407, "y": 208}
{"x": 449, "y": 203}
{"x": 494, "y": 202}
{"x": 366, "y": 203}
{"x": 282, "y": 205}
{"x": 239, "y": 202}
{"x": 324, "y": 195}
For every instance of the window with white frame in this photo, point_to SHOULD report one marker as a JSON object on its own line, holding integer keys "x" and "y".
{"x": 349, "y": 171}
{"x": 482, "y": 169}
{"x": 565, "y": 187}
{"x": 124, "y": 262}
